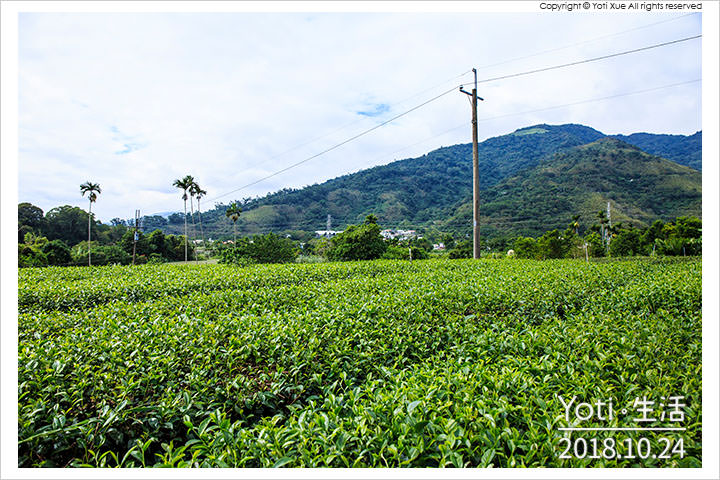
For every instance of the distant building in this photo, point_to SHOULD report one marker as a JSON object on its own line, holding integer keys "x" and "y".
{"x": 327, "y": 233}
{"x": 390, "y": 234}
{"x": 438, "y": 246}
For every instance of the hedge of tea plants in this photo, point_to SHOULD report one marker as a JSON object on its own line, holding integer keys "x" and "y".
{"x": 440, "y": 363}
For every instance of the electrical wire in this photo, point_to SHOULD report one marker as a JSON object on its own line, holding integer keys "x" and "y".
{"x": 336, "y": 145}
{"x": 519, "y": 220}
{"x": 356, "y": 121}
{"x": 212, "y": 228}
{"x": 530, "y": 72}
{"x": 584, "y": 42}
{"x": 588, "y": 60}
{"x": 365, "y": 132}
{"x": 589, "y": 100}
{"x": 460, "y": 76}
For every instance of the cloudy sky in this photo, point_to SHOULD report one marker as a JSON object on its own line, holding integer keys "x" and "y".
{"x": 133, "y": 101}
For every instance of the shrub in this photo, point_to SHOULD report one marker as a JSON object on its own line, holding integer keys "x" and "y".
{"x": 463, "y": 249}
{"x": 271, "y": 248}
{"x": 235, "y": 256}
{"x": 395, "y": 252}
{"x": 156, "y": 259}
{"x": 358, "y": 242}
{"x": 29, "y": 256}
{"x": 57, "y": 252}
{"x": 268, "y": 248}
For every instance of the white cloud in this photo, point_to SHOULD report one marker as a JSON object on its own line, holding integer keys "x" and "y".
{"x": 223, "y": 96}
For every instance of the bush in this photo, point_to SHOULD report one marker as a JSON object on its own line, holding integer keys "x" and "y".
{"x": 156, "y": 259}
{"x": 271, "y": 248}
{"x": 57, "y": 252}
{"x": 463, "y": 249}
{"x": 678, "y": 246}
{"x": 29, "y": 256}
{"x": 235, "y": 256}
{"x": 626, "y": 244}
{"x": 100, "y": 254}
{"x": 596, "y": 246}
{"x": 395, "y": 252}
{"x": 554, "y": 244}
{"x": 358, "y": 242}
{"x": 268, "y": 248}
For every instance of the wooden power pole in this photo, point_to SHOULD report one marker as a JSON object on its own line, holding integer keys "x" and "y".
{"x": 476, "y": 167}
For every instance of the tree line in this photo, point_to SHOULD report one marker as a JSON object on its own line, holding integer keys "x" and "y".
{"x": 60, "y": 237}
{"x": 681, "y": 237}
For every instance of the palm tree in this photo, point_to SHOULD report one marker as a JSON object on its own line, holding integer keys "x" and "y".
{"x": 185, "y": 184}
{"x": 234, "y": 212}
{"x": 199, "y": 193}
{"x": 194, "y": 187}
{"x": 92, "y": 189}
{"x": 575, "y": 225}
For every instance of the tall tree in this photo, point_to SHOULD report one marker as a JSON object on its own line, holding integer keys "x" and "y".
{"x": 199, "y": 193}
{"x": 185, "y": 183}
{"x": 575, "y": 224}
{"x": 233, "y": 212}
{"x": 191, "y": 190}
{"x": 92, "y": 189}
{"x": 195, "y": 190}
{"x": 30, "y": 219}
{"x": 66, "y": 223}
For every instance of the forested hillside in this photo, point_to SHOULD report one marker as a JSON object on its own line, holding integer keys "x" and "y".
{"x": 640, "y": 188}
{"x": 685, "y": 150}
{"x": 431, "y": 190}
{"x": 410, "y": 192}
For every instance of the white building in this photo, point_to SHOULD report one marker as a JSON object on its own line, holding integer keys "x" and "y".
{"x": 327, "y": 233}
{"x": 390, "y": 234}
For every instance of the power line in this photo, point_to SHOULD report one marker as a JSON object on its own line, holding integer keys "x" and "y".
{"x": 589, "y": 60}
{"x": 465, "y": 73}
{"x": 590, "y": 100}
{"x": 337, "y": 145}
{"x": 585, "y": 41}
{"x": 453, "y": 89}
{"x": 627, "y": 52}
{"x": 460, "y": 76}
{"x": 263, "y": 162}
{"x": 580, "y": 102}
{"x": 463, "y": 125}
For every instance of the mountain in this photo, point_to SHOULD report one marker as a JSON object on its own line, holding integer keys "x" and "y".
{"x": 640, "y": 188}
{"x": 685, "y": 150}
{"x": 407, "y": 192}
{"x": 431, "y": 189}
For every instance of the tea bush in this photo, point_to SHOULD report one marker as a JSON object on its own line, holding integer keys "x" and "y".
{"x": 455, "y": 363}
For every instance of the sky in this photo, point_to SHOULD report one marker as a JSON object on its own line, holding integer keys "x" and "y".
{"x": 135, "y": 100}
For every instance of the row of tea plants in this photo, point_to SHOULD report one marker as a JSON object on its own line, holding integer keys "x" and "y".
{"x": 447, "y": 363}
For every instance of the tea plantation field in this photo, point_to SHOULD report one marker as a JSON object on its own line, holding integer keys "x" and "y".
{"x": 442, "y": 363}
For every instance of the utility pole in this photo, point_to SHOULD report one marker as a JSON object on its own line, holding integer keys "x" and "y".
{"x": 136, "y": 237}
{"x": 609, "y": 228}
{"x": 476, "y": 168}
{"x": 608, "y": 215}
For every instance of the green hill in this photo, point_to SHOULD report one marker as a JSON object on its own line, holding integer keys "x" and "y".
{"x": 685, "y": 150}
{"x": 432, "y": 190}
{"x": 408, "y": 192}
{"x": 640, "y": 188}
